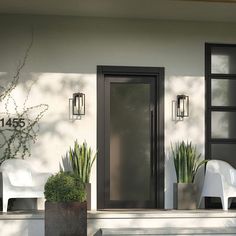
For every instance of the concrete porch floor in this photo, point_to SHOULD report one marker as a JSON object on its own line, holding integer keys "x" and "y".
{"x": 130, "y": 222}
{"x": 22, "y": 223}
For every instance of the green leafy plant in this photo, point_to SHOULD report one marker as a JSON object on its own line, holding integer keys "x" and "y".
{"x": 186, "y": 161}
{"x": 81, "y": 160}
{"x": 64, "y": 187}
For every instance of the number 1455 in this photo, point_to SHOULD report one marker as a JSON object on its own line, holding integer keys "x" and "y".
{"x": 12, "y": 122}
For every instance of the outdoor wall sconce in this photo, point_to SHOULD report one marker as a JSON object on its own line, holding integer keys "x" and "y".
{"x": 77, "y": 106}
{"x": 182, "y": 109}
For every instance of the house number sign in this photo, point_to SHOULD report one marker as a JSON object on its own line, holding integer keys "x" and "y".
{"x": 12, "y": 122}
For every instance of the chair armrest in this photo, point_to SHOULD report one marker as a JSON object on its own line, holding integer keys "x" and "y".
{"x": 213, "y": 184}
{"x": 5, "y": 180}
{"x": 233, "y": 177}
{"x": 40, "y": 179}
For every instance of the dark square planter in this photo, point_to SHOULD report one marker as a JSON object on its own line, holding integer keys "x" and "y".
{"x": 65, "y": 219}
{"x": 88, "y": 192}
{"x": 185, "y": 196}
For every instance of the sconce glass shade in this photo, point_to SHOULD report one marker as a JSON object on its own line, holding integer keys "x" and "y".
{"x": 78, "y": 104}
{"x": 182, "y": 106}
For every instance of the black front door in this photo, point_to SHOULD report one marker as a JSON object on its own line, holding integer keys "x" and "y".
{"x": 129, "y": 174}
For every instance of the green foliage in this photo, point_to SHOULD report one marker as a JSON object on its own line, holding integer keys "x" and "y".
{"x": 16, "y": 141}
{"x": 81, "y": 159}
{"x": 186, "y": 161}
{"x": 64, "y": 187}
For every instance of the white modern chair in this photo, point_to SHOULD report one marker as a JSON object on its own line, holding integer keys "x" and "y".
{"x": 220, "y": 181}
{"x": 19, "y": 180}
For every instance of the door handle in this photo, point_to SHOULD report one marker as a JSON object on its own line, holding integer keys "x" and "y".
{"x": 151, "y": 145}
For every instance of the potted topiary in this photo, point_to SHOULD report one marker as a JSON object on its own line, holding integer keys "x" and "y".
{"x": 81, "y": 160}
{"x": 65, "y": 206}
{"x": 186, "y": 162}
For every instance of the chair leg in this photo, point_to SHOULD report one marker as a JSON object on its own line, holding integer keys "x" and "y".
{"x": 4, "y": 204}
{"x": 230, "y": 201}
{"x": 224, "y": 201}
{"x": 40, "y": 203}
{"x": 199, "y": 203}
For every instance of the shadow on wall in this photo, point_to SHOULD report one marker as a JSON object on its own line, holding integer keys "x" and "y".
{"x": 54, "y": 89}
{"x": 190, "y": 129}
{"x": 63, "y": 60}
{"x": 56, "y": 131}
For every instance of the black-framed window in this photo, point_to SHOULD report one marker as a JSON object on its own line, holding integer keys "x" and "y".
{"x": 221, "y": 102}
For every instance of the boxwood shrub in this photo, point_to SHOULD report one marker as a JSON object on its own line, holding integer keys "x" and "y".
{"x": 64, "y": 187}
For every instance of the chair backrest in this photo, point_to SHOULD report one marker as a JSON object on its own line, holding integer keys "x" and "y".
{"x": 222, "y": 168}
{"x": 18, "y": 172}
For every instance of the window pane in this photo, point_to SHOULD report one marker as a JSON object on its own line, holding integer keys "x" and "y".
{"x": 223, "y": 60}
{"x": 223, "y": 92}
{"x": 225, "y": 152}
{"x": 130, "y": 142}
{"x": 223, "y": 124}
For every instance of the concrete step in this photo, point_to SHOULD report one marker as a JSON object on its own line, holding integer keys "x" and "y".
{"x": 169, "y": 222}
{"x": 166, "y": 231}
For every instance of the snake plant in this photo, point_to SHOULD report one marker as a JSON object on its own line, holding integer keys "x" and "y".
{"x": 186, "y": 161}
{"x": 82, "y": 160}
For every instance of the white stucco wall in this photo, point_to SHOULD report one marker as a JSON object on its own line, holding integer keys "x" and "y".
{"x": 63, "y": 60}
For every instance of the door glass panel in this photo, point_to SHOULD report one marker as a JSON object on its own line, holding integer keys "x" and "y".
{"x": 129, "y": 141}
{"x": 225, "y": 152}
{"x": 223, "y": 124}
{"x": 223, "y": 92}
{"x": 223, "y": 60}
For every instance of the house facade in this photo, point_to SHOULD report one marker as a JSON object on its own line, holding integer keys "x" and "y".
{"x": 145, "y": 62}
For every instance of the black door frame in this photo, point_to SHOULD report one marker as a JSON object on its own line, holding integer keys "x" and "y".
{"x": 158, "y": 73}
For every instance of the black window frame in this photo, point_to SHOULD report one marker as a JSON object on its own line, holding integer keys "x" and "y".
{"x": 209, "y": 76}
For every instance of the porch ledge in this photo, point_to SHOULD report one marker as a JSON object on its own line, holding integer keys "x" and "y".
{"x": 167, "y": 231}
{"x": 22, "y": 215}
{"x": 129, "y": 214}
{"x": 142, "y": 214}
